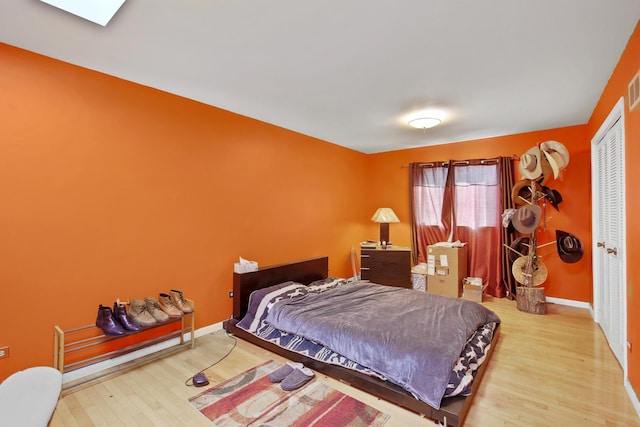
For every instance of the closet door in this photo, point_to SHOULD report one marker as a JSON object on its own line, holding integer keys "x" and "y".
{"x": 609, "y": 232}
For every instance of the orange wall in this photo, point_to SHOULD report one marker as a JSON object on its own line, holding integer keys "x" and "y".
{"x": 627, "y": 67}
{"x": 567, "y": 281}
{"x": 109, "y": 189}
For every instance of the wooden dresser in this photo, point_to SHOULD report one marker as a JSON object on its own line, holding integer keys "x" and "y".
{"x": 390, "y": 267}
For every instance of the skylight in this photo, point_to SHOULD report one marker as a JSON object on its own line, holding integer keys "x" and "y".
{"x": 98, "y": 11}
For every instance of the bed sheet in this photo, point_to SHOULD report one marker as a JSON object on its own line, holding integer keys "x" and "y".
{"x": 262, "y": 300}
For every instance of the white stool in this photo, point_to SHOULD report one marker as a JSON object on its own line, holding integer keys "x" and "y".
{"x": 28, "y": 398}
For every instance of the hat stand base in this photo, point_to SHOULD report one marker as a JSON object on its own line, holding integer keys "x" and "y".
{"x": 531, "y": 300}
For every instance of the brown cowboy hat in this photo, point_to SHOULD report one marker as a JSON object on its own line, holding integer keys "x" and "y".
{"x": 527, "y": 218}
{"x": 569, "y": 247}
{"x": 522, "y": 189}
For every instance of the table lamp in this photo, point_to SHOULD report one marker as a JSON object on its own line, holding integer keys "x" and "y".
{"x": 384, "y": 216}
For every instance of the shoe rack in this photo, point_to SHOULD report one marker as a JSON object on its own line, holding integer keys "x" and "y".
{"x": 87, "y": 345}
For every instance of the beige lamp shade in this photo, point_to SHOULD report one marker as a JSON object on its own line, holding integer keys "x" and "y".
{"x": 385, "y": 215}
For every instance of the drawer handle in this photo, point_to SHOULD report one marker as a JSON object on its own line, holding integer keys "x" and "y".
{"x": 364, "y": 268}
{"x": 364, "y": 256}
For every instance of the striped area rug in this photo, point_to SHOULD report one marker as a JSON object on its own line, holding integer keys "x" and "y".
{"x": 251, "y": 399}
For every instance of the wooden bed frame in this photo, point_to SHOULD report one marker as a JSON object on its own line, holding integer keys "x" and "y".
{"x": 452, "y": 410}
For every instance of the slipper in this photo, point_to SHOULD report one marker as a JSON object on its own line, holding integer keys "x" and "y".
{"x": 297, "y": 379}
{"x": 282, "y": 372}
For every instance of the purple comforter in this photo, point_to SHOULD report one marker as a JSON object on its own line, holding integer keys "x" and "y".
{"x": 417, "y": 352}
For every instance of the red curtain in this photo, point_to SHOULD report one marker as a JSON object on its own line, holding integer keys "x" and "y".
{"x": 427, "y": 190}
{"x": 461, "y": 200}
{"x": 508, "y": 233}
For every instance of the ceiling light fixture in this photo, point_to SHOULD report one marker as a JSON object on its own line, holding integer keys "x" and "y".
{"x": 424, "y": 122}
{"x": 98, "y": 11}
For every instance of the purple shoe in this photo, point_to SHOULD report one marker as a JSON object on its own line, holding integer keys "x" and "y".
{"x": 282, "y": 372}
{"x": 297, "y": 379}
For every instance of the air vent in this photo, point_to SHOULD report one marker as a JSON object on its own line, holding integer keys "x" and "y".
{"x": 634, "y": 92}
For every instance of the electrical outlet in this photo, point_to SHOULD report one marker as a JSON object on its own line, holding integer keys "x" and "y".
{"x": 4, "y": 351}
{"x": 230, "y": 294}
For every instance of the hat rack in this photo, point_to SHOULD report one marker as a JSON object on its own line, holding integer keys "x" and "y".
{"x": 537, "y": 165}
{"x": 529, "y": 268}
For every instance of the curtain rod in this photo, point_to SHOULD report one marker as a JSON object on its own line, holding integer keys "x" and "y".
{"x": 459, "y": 162}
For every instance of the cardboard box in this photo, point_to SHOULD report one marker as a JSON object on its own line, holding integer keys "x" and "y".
{"x": 472, "y": 288}
{"x": 472, "y": 292}
{"x": 446, "y": 267}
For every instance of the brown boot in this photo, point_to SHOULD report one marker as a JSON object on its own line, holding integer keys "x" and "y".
{"x": 138, "y": 310}
{"x": 166, "y": 304}
{"x": 154, "y": 309}
{"x": 178, "y": 299}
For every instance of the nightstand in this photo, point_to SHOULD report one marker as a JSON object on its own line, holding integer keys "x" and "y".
{"x": 391, "y": 267}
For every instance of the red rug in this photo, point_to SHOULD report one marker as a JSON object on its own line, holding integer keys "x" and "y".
{"x": 251, "y": 399}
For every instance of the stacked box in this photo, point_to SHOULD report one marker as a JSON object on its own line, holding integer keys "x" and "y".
{"x": 472, "y": 289}
{"x": 446, "y": 267}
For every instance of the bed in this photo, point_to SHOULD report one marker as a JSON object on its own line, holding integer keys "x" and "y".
{"x": 292, "y": 277}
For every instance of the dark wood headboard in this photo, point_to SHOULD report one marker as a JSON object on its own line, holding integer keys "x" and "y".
{"x": 303, "y": 271}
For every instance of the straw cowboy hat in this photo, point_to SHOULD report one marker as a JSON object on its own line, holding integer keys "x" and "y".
{"x": 558, "y": 152}
{"x": 548, "y": 169}
{"x": 530, "y": 165}
{"x": 569, "y": 247}
{"x": 556, "y": 156}
{"x": 539, "y": 271}
{"x": 527, "y": 218}
{"x": 522, "y": 189}
{"x": 553, "y": 197}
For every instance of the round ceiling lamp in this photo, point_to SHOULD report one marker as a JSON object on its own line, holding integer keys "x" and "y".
{"x": 424, "y": 122}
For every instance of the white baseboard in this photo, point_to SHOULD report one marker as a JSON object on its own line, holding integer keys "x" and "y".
{"x": 116, "y": 361}
{"x": 208, "y": 329}
{"x": 570, "y": 303}
{"x": 632, "y": 395}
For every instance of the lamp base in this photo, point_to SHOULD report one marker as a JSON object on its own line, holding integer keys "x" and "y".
{"x": 384, "y": 232}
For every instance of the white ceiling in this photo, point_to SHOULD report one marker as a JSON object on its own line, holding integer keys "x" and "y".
{"x": 351, "y": 71}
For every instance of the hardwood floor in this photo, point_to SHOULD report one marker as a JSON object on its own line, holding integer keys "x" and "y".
{"x": 546, "y": 370}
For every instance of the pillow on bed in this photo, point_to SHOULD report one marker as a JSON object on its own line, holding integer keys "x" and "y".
{"x": 319, "y": 286}
{"x": 261, "y": 300}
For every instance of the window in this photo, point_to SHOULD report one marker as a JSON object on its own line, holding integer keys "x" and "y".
{"x": 477, "y": 196}
{"x": 461, "y": 200}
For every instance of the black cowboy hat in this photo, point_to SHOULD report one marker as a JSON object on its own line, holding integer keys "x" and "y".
{"x": 521, "y": 246}
{"x": 569, "y": 247}
{"x": 553, "y": 196}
